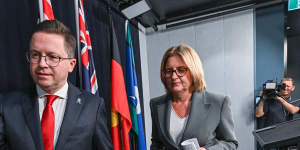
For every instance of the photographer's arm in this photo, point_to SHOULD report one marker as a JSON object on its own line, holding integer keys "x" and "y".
{"x": 260, "y": 109}
{"x": 288, "y": 106}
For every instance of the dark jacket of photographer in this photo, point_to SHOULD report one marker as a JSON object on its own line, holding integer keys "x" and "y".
{"x": 275, "y": 112}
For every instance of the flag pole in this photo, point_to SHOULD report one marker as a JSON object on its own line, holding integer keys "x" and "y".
{"x": 78, "y": 44}
{"x": 41, "y": 11}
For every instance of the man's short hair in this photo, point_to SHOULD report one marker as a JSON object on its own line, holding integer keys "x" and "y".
{"x": 288, "y": 79}
{"x": 57, "y": 27}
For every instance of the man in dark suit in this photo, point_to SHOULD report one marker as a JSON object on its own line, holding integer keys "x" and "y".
{"x": 56, "y": 114}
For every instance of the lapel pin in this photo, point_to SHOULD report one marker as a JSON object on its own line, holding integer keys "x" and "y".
{"x": 78, "y": 101}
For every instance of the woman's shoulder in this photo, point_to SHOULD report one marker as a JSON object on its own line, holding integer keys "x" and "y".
{"x": 159, "y": 99}
{"x": 213, "y": 97}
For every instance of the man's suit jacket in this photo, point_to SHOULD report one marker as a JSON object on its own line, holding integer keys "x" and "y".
{"x": 84, "y": 125}
{"x": 210, "y": 121}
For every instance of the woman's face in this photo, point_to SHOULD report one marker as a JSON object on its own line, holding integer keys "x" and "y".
{"x": 177, "y": 75}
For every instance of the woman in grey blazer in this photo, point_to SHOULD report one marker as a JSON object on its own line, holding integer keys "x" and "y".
{"x": 188, "y": 111}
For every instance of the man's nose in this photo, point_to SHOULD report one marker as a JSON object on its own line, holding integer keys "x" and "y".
{"x": 42, "y": 61}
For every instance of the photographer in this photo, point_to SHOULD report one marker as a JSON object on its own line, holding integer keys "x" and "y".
{"x": 279, "y": 108}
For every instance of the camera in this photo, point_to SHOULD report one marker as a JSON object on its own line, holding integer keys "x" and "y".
{"x": 271, "y": 89}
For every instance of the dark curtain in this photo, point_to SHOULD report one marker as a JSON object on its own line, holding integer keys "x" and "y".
{"x": 97, "y": 14}
{"x": 18, "y": 18}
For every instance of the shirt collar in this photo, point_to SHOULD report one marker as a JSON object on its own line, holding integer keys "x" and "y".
{"x": 62, "y": 92}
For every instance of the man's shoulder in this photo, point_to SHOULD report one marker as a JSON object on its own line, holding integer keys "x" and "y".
{"x": 86, "y": 95}
{"x": 91, "y": 96}
{"x": 15, "y": 94}
{"x": 15, "y": 97}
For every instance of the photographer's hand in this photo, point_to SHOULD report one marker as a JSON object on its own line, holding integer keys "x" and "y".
{"x": 260, "y": 109}
{"x": 288, "y": 106}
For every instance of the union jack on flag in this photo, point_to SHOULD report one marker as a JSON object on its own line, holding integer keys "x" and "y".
{"x": 47, "y": 10}
{"x": 89, "y": 79}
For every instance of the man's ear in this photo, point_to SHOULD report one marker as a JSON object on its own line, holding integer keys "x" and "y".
{"x": 72, "y": 65}
{"x": 293, "y": 88}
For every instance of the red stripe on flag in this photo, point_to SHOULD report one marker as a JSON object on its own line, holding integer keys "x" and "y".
{"x": 126, "y": 126}
{"x": 47, "y": 9}
{"x": 115, "y": 130}
{"x": 88, "y": 39}
{"x": 93, "y": 80}
{"x": 82, "y": 25}
{"x": 119, "y": 101}
{"x": 85, "y": 58}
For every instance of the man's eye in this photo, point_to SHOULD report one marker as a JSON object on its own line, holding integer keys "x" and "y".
{"x": 35, "y": 55}
{"x": 53, "y": 57}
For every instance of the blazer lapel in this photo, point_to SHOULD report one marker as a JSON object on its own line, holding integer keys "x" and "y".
{"x": 200, "y": 108}
{"x": 32, "y": 117}
{"x": 72, "y": 111}
{"x": 163, "y": 113}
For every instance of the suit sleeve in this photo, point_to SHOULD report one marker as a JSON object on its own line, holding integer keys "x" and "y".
{"x": 3, "y": 142}
{"x": 156, "y": 143}
{"x": 102, "y": 138}
{"x": 225, "y": 136}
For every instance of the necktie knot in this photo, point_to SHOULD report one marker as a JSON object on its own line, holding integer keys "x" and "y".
{"x": 51, "y": 99}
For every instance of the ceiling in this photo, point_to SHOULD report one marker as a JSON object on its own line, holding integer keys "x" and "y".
{"x": 178, "y": 12}
{"x": 167, "y": 11}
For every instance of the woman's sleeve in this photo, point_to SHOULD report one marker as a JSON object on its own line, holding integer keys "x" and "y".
{"x": 156, "y": 143}
{"x": 225, "y": 136}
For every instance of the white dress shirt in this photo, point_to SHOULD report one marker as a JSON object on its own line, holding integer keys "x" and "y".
{"x": 59, "y": 106}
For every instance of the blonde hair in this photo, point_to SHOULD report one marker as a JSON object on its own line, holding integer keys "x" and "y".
{"x": 193, "y": 62}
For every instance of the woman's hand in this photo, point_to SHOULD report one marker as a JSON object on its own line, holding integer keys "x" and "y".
{"x": 202, "y": 148}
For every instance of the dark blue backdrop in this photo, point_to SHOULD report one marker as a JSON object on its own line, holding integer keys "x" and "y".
{"x": 18, "y": 18}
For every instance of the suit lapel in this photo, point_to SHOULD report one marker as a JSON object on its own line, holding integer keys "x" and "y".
{"x": 163, "y": 113}
{"x": 72, "y": 111}
{"x": 32, "y": 117}
{"x": 199, "y": 112}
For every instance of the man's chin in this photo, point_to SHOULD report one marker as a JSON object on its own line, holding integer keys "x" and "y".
{"x": 44, "y": 85}
{"x": 285, "y": 95}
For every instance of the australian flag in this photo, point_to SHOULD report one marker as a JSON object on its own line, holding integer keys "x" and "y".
{"x": 46, "y": 11}
{"x": 89, "y": 79}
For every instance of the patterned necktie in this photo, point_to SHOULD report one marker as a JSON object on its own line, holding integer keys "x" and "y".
{"x": 48, "y": 119}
